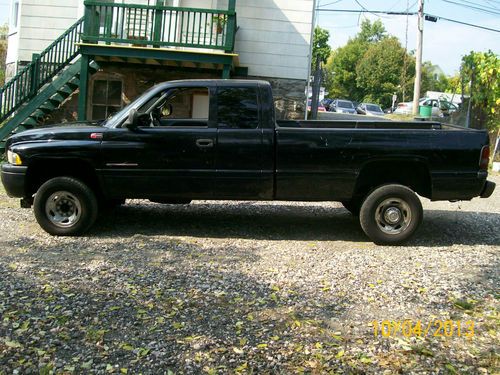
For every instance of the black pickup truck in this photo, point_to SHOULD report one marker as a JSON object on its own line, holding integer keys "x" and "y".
{"x": 218, "y": 139}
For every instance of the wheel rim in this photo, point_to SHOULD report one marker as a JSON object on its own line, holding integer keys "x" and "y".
{"x": 63, "y": 209}
{"x": 393, "y": 216}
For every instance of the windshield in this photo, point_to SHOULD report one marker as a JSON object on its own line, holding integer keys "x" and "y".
{"x": 344, "y": 104}
{"x": 373, "y": 108}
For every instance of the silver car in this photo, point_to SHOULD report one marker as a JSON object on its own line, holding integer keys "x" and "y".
{"x": 370, "y": 109}
{"x": 342, "y": 106}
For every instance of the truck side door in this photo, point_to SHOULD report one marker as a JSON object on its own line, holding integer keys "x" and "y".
{"x": 244, "y": 155}
{"x": 171, "y": 157}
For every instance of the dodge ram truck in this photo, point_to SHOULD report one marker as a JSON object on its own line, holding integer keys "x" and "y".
{"x": 219, "y": 140}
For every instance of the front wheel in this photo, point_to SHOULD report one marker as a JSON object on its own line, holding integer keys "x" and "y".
{"x": 391, "y": 214}
{"x": 65, "y": 206}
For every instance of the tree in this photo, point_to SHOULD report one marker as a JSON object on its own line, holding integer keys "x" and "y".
{"x": 321, "y": 48}
{"x": 3, "y": 51}
{"x": 341, "y": 66}
{"x": 481, "y": 72}
{"x": 378, "y": 73}
{"x": 371, "y": 32}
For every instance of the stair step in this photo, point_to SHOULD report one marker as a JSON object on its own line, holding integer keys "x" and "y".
{"x": 74, "y": 83}
{"x": 57, "y": 99}
{"x": 65, "y": 90}
{"x": 93, "y": 67}
{"x": 38, "y": 114}
{"x": 47, "y": 107}
{"x": 29, "y": 122}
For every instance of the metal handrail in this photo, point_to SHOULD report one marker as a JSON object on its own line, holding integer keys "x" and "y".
{"x": 43, "y": 67}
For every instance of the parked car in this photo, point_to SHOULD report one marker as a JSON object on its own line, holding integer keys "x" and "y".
{"x": 235, "y": 150}
{"x": 342, "y": 106}
{"x": 370, "y": 109}
{"x": 440, "y": 107}
{"x": 320, "y": 106}
{"x": 326, "y": 103}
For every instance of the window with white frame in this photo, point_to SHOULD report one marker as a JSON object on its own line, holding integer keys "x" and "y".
{"x": 106, "y": 98}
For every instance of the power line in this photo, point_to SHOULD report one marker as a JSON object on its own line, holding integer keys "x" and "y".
{"x": 363, "y": 7}
{"x": 390, "y": 13}
{"x": 473, "y": 7}
{"x": 469, "y": 24}
{"x": 402, "y": 13}
{"x": 333, "y": 2}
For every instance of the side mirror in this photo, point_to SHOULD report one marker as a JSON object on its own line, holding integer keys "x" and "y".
{"x": 167, "y": 110}
{"x": 136, "y": 119}
{"x": 131, "y": 122}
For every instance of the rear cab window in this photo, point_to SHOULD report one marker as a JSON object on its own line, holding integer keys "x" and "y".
{"x": 237, "y": 107}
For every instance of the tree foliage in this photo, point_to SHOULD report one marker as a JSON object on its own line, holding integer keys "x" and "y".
{"x": 321, "y": 48}
{"x": 480, "y": 71}
{"x": 378, "y": 73}
{"x": 341, "y": 66}
{"x": 3, "y": 52}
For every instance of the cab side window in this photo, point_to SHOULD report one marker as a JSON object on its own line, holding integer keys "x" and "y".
{"x": 237, "y": 108}
{"x": 189, "y": 103}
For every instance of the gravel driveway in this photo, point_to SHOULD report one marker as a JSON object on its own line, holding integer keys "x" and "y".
{"x": 246, "y": 287}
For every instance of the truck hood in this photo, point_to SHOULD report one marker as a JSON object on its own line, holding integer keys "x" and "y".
{"x": 67, "y": 131}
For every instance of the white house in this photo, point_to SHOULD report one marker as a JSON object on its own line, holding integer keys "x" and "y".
{"x": 271, "y": 41}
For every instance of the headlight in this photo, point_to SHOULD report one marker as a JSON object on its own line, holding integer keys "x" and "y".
{"x": 13, "y": 158}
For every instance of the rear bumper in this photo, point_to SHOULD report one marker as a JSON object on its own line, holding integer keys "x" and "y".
{"x": 488, "y": 189}
{"x": 14, "y": 180}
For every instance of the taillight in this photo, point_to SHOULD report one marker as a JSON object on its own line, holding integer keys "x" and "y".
{"x": 484, "y": 160}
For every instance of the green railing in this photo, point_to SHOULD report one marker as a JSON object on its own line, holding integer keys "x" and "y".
{"x": 158, "y": 25}
{"x": 43, "y": 67}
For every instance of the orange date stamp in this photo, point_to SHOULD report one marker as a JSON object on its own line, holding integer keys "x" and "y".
{"x": 418, "y": 328}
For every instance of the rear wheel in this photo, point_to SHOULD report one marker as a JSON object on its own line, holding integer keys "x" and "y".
{"x": 391, "y": 214}
{"x": 65, "y": 206}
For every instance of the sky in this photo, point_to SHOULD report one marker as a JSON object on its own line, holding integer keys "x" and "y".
{"x": 444, "y": 42}
{"x": 4, "y": 11}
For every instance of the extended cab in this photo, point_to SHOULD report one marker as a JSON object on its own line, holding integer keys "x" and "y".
{"x": 218, "y": 139}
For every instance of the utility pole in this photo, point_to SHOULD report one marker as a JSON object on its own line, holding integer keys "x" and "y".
{"x": 418, "y": 63}
{"x": 315, "y": 89}
{"x": 311, "y": 40}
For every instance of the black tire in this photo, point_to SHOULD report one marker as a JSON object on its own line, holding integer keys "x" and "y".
{"x": 65, "y": 206}
{"x": 391, "y": 214}
{"x": 353, "y": 206}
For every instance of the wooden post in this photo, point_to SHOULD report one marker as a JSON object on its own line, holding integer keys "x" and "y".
{"x": 35, "y": 74}
{"x": 84, "y": 83}
{"x": 226, "y": 71}
{"x": 231, "y": 26}
{"x": 157, "y": 31}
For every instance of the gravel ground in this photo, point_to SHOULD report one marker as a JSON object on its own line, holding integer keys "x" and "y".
{"x": 248, "y": 287}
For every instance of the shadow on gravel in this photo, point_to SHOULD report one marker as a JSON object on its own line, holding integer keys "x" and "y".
{"x": 149, "y": 305}
{"x": 287, "y": 222}
{"x": 242, "y": 220}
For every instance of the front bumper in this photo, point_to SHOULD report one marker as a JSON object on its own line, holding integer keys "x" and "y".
{"x": 14, "y": 180}
{"x": 488, "y": 189}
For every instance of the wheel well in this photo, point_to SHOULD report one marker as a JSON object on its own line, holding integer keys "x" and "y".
{"x": 41, "y": 171}
{"x": 414, "y": 175}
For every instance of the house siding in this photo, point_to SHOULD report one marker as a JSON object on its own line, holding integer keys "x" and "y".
{"x": 273, "y": 37}
{"x": 41, "y": 22}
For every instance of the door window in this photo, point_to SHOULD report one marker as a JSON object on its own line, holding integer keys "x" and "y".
{"x": 237, "y": 107}
{"x": 188, "y": 103}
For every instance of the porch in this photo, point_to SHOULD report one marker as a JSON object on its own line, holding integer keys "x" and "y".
{"x": 156, "y": 35}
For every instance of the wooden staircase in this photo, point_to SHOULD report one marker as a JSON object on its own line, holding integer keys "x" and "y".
{"x": 43, "y": 85}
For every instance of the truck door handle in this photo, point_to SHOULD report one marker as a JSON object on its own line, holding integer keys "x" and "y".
{"x": 205, "y": 143}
